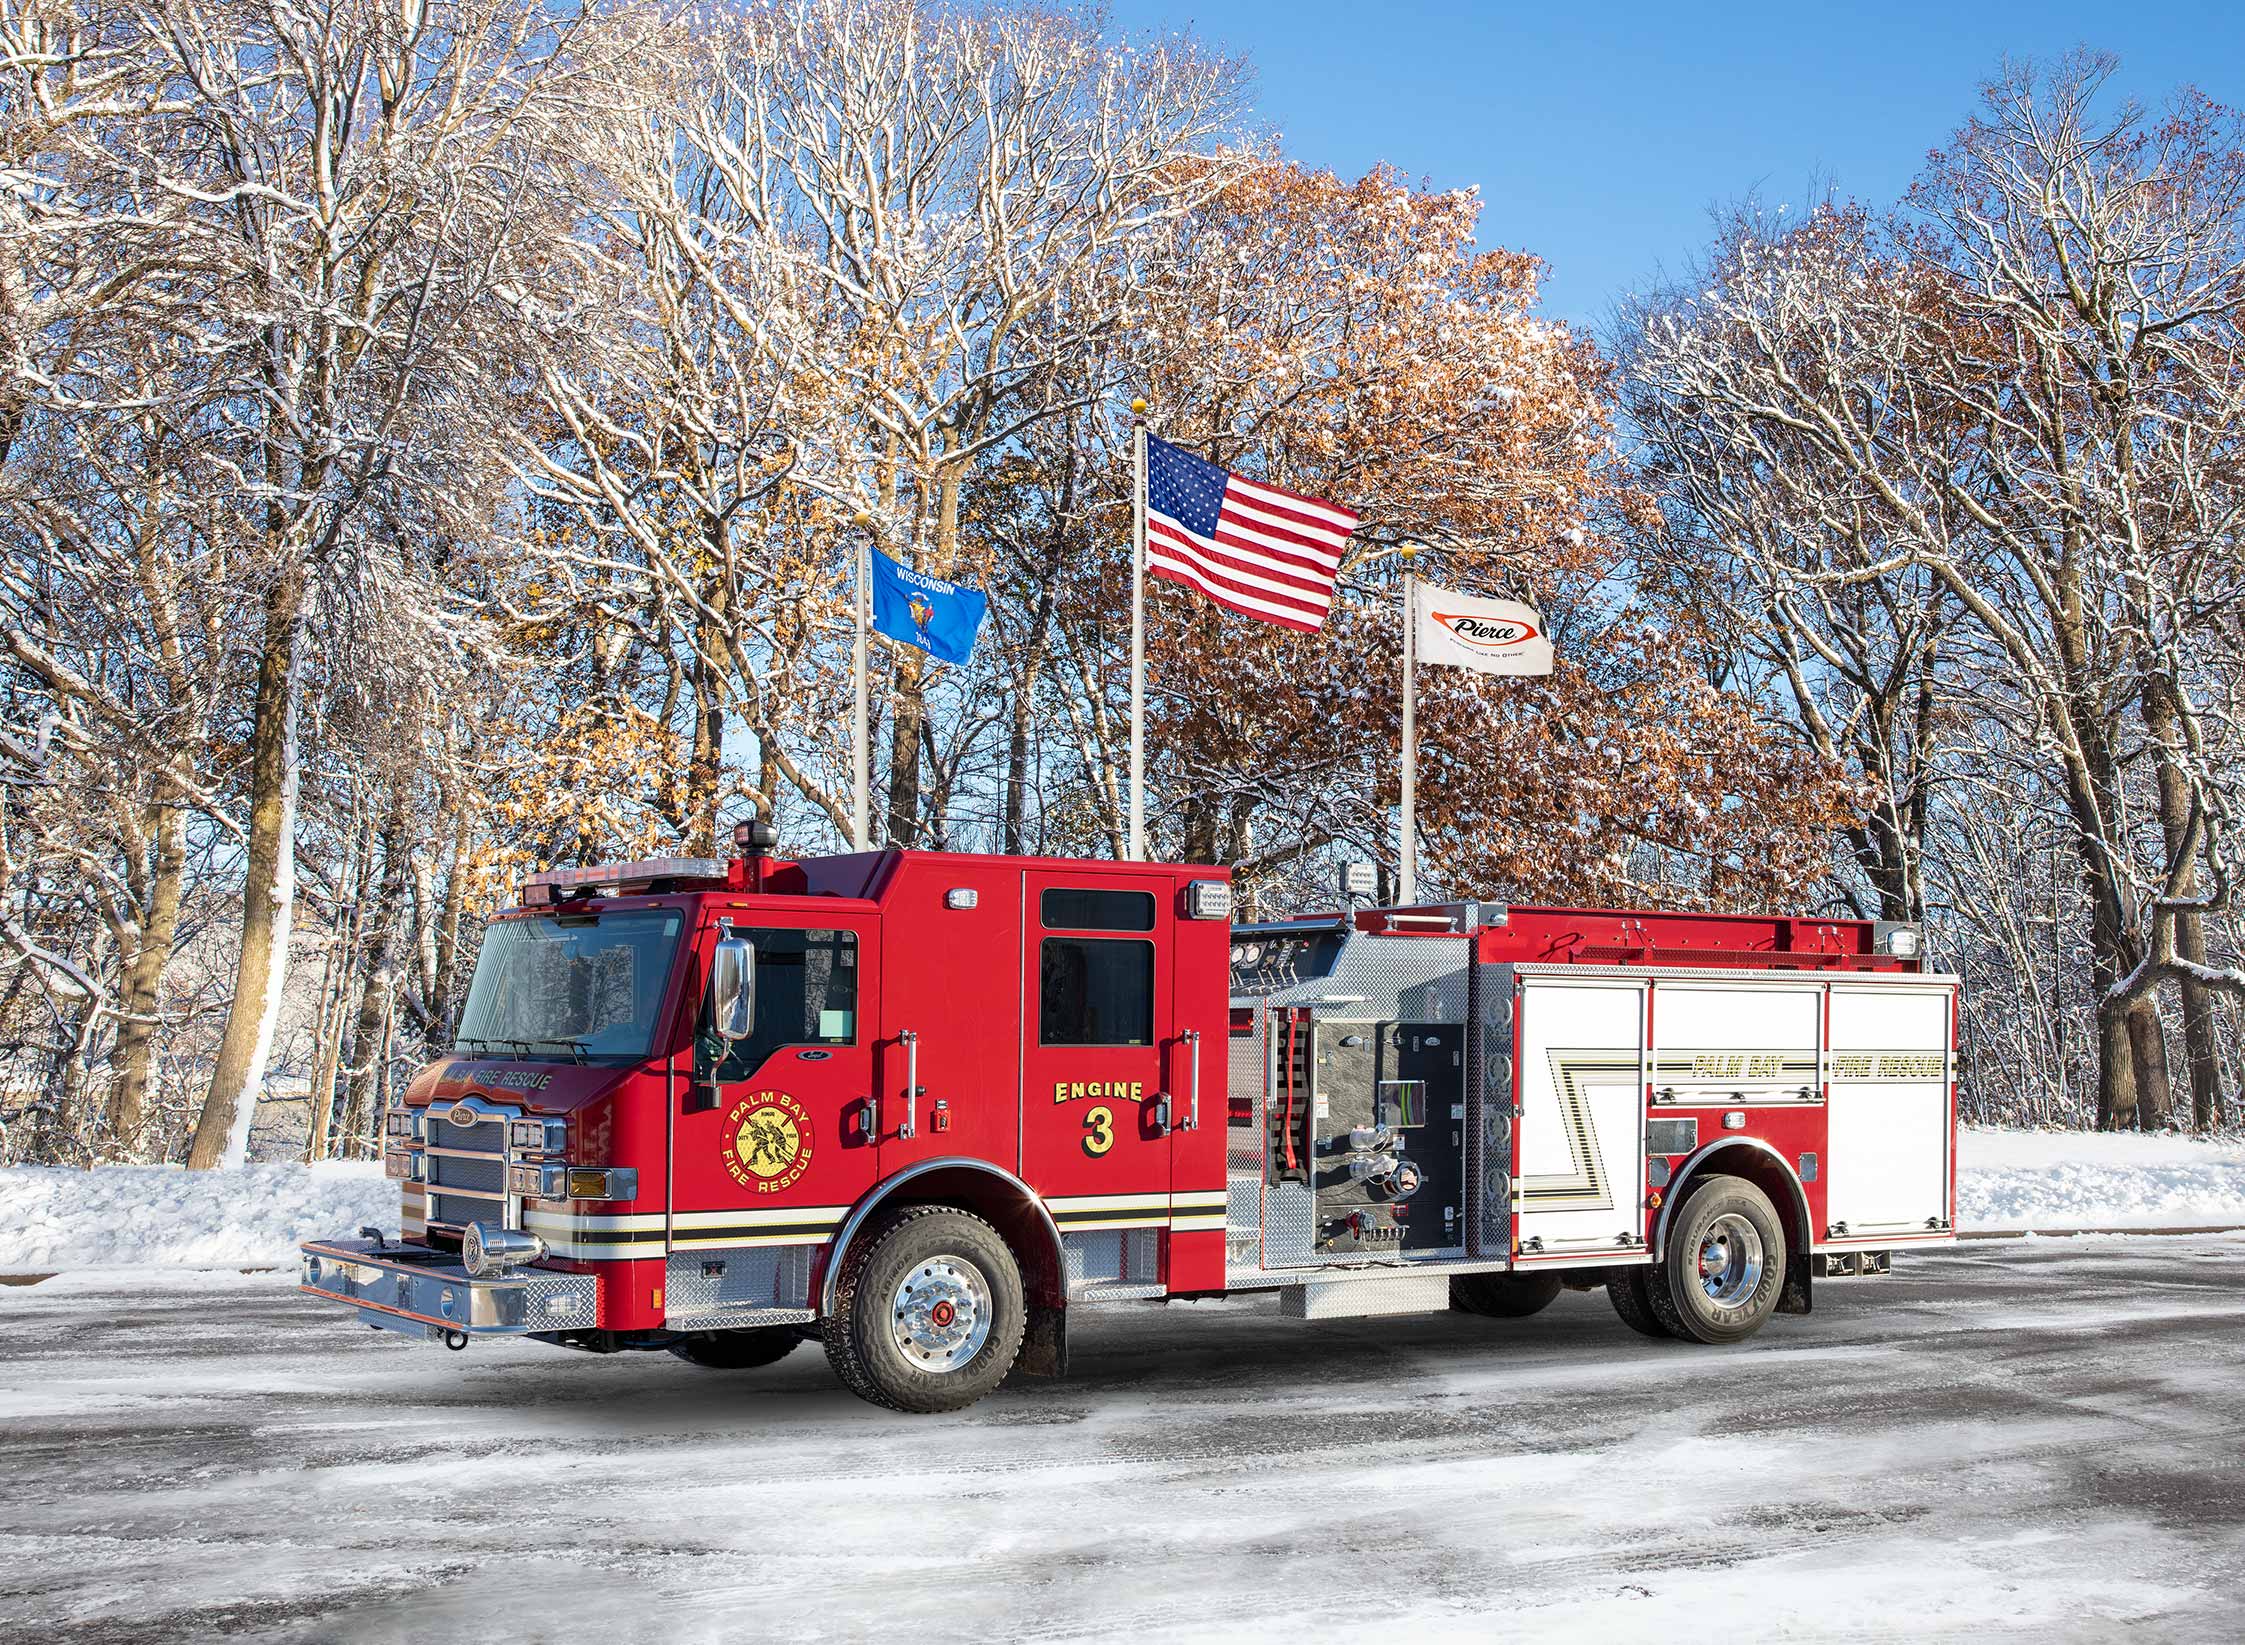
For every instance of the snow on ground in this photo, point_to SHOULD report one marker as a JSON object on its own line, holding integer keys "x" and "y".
{"x": 2089, "y": 1179}
{"x": 118, "y": 1215}
{"x": 254, "y": 1217}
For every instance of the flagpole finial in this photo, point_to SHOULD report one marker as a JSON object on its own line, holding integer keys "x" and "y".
{"x": 1409, "y": 551}
{"x": 862, "y": 520}
{"x": 1138, "y": 408}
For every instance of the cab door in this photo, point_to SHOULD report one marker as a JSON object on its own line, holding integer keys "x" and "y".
{"x": 763, "y": 1165}
{"x": 1098, "y": 1103}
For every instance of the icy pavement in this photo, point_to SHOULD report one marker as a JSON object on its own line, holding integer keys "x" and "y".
{"x": 2031, "y": 1441}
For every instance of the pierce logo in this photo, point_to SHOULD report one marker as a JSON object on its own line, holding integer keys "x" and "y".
{"x": 1486, "y": 634}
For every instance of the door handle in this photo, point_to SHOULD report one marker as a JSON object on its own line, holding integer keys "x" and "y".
{"x": 1192, "y": 1100}
{"x": 911, "y": 1126}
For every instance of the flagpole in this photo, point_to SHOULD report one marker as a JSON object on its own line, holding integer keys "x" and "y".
{"x": 1408, "y": 877}
{"x": 1138, "y": 631}
{"x": 861, "y": 804}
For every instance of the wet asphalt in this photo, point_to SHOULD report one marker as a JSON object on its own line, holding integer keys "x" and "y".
{"x": 2022, "y": 1440}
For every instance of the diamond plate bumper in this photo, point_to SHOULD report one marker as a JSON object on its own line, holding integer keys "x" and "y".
{"x": 403, "y": 1286}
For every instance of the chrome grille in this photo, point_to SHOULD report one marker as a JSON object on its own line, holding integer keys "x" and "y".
{"x": 482, "y": 1174}
{"x": 455, "y": 1211}
{"x": 486, "y": 1136}
{"x": 467, "y": 1172}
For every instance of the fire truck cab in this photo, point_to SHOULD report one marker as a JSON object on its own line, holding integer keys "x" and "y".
{"x": 921, "y": 1106}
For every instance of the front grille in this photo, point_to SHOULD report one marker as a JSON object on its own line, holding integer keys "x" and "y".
{"x": 486, "y": 1136}
{"x": 484, "y": 1175}
{"x": 459, "y": 1211}
{"x": 465, "y": 1190}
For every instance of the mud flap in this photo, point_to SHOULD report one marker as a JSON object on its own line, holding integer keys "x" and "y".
{"x": 1794, "y": 1299}
{"x": 1044, "y": 1343}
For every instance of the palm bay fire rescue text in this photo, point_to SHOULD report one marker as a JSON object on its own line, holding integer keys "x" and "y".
{"x": 923, "y": 1106}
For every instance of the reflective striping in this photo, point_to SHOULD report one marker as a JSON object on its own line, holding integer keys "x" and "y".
{"x": 792, "y": 1215}
{"x": 639, "y": 1235}
{"x": 637, "y": 1222}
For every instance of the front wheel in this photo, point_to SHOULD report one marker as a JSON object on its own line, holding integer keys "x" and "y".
{"x": 928, "y": 1312}
{"x": 1724, "y": 1269}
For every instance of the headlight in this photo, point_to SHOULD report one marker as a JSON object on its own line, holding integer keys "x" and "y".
{"x": 538, "y": 1136}
{"x": 402, "y": 1164}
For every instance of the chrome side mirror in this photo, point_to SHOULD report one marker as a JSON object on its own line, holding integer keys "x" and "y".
{"x": 732, "y": 988}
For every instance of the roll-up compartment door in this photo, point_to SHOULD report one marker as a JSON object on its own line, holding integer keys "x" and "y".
{"x": 1888, "y": 1066}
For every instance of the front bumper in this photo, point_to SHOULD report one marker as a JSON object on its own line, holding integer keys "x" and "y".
{"x": 399, "y": 1286}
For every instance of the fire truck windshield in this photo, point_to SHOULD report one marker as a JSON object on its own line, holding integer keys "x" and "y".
{"x": 571, "y": 985}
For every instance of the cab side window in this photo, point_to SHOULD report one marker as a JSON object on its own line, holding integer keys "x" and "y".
{"x": 1095, "y": 990}
{"x": 806, "y": 995}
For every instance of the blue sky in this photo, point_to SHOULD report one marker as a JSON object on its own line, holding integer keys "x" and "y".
{"x": 1599, "y": 136}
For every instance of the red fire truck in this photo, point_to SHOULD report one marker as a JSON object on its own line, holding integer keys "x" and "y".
{"x": 923, "y": 1107}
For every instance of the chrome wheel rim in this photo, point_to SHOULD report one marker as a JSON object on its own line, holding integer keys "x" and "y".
{"x": 1730, "y": 1260}
{"x": 941, "y": 1313}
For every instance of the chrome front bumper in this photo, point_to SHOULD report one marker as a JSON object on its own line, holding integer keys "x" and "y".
{"x": 423, "y": 1292}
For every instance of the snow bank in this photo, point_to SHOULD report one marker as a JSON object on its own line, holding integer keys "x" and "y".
{"x": 2088, "y": 1179}
{"x": 123, "y": 1214}
{"x": 254, "y": 1217}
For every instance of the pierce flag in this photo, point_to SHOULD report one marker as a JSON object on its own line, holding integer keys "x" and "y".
{"x": 1493, "y": 636}
{"x": 939, "y": 617}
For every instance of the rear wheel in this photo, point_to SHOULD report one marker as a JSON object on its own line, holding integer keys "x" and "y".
{"x": 739, "y": 1350}
{"x": 1724, "y": 1269}
{"x": 928, "y": 1311}
{"x": 1503, "y": 1296}
{"x": 1632, "y": 1300}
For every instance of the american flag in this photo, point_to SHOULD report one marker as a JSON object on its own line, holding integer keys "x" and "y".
{"x": 1249, "y": 547}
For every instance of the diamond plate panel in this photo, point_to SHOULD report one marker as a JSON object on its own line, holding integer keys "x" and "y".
{"x": 734, "y": 1280}
{"x": 1290, "y": 1236}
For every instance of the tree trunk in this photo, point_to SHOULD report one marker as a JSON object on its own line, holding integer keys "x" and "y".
{"x": 2201, "y": 1036}
{"x": 2116, "y": 1078}
{"x": 144, "y": 978}
{"x": 2147, "y": 1043}
{"x": 1018, "y": 750}
{"x": 380, "y": 981}
{"x": 335, "y": 987}
{"x": 705, "y": 768}
{"x": 448, "y": 927}
{"x": 268, "y": 888}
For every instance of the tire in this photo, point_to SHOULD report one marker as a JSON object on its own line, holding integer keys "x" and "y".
{"x": 1631, "y": 1298}
{"x": 739, "y": 1350}
{"x": 1730, "y": 1224}
{"x": 928, "y": 1311}
{"x": 1503, "y": 1296}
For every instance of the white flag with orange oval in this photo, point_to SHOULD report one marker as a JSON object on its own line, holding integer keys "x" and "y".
{"x": 1494, "y": 636}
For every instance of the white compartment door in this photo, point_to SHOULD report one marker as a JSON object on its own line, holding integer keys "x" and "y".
{"x": 1888, "y": 1065}
{"x": 1579, "y": 1161}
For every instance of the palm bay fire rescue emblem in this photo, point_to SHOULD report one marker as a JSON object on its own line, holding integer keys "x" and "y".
{"x": 770, "y": 1141}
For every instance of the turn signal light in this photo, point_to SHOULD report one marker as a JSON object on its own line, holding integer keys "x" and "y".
{"x": 572, "y": 1182}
